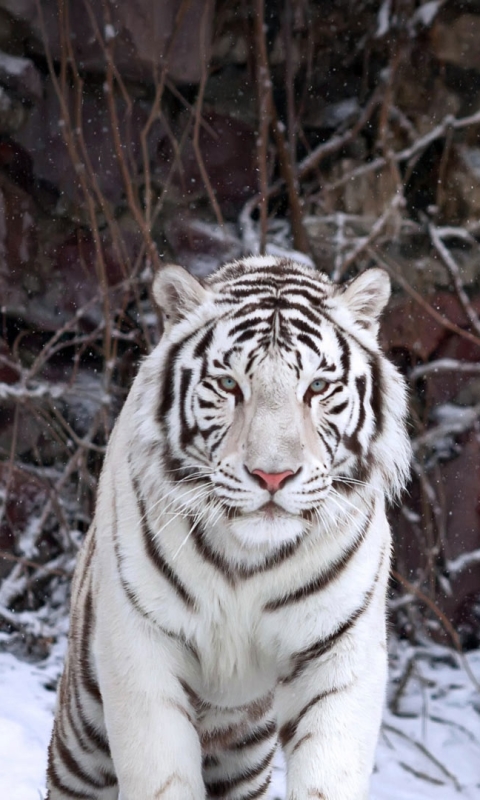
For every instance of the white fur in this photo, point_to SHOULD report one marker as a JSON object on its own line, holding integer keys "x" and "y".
{"x": 245, "y": 652}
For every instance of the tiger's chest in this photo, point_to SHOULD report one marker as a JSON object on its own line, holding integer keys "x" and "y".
{"x": 238, "y": 648}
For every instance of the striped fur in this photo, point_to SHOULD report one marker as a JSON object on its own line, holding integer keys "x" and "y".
{"x": 212, "y": 619}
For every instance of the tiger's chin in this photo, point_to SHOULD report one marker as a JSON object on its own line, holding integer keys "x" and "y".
{"x": 267, "y": 527}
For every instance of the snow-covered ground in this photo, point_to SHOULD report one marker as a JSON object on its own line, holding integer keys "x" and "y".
{"x": 429, "y": 748}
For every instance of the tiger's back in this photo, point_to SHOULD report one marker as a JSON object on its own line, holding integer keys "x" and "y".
{"x": 231, "y": 591}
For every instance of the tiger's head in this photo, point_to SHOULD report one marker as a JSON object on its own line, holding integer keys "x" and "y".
{"x": 275, "y": 396}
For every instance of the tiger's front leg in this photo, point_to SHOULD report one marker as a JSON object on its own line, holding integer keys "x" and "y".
{"x": 149, "y": 717}
{"x": 330, "y": 716}
{"x": 239, "y": 745}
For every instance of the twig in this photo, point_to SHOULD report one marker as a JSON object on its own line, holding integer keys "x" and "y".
{"x": 377, "y": 164}
{"x": 198, "y": 112}
{"x": 289, "y": 79}
{"x": 377, "y": 229}
{"x": 133, "y": 201}
{"x": 264, "y": 113}
{"x": 155, "y": 109}
{"x": 444, "y": 365}
{"x": 269, "y": 115}
{"x": 422, "y": 775}
{"x": 407, "y": 674}
{"x": 463, "y": 561}
{"x": 426, "y": 752}
{"x": 454, "y": 272}
{"x": 387, "y": 263}
{"x": 307, "y": 165}
{"x": 468, "y": 733}
{"x": 443, "y": 619}
{"x": 336, "y": 143}
{"x": 463, "y": 421}
{"x": 33, "y": 564}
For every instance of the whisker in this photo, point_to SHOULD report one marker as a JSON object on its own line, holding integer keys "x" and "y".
{"x": 182, "y": 469}
{"x": 343, "y": 499}
{"x": 356, "y": 482}
{"x": 348, "y": 516}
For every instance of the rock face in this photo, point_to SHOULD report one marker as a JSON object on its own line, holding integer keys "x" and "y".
{"x": 144, "y": 36}
{"x": 455, "y": 41}
{"x": 130, "y": 136}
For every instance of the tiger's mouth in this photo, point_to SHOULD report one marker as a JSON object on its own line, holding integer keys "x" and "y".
{"x": 270, "y": 510}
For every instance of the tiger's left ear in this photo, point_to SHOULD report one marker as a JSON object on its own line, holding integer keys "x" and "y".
{"x": 177, "y": 293}
{"x": 367, "y": 296}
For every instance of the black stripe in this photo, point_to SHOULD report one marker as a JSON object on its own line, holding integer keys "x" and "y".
{"x": 89, "y": 683}
{"x": 289, "y": 729}
{"x": 247, "y": 324}
{"x": 255, "y": 737}
{"x": 376, "y": 399}
{"x": 297, "y": 746}
{"x": 304, "y": 327}
{"x": 332, "y": 428}
{"x": 78, "y": 734}
{"x": 308, "y": 341}
{"x": 93, "y": 735}
{"x": 315, "y": 301}
{"x": 253, "y": 795}
{"x": 330, "y": 450}
{"x": 154, "y": 554}
{"x": 304, "y": 657}
{"x": 205, "y": 403}
{"x": 345, "y": 350}
{"x": 220, "y": 788}
{"x": 210, "y": 762}
{"x": 204, "y": 342}
{"x": 313, "y": 315}
{"x": 232, "y": 572}
{"x": 338, "y": 409}
{"x": 247, "y": 335}
{"x": 187, "y": 433}
{"x": 352, "y": 441}
{"x": 90, "y": 544}
{"x": 207, "y": 431}
{"x": 57, "y": 783}
{"x": 250, "y": 363}
{"x": 167, "y": 397}
{"x": 321, "y": 581}
{"x": 75, "y": 769}
{"x": 209, "y": 555}
{"x": 130, "y": 594}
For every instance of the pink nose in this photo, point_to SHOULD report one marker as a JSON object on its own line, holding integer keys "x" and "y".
{"x": 272, "y": 480}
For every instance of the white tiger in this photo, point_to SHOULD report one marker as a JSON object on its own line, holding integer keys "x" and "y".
{"x": 231, "y": 591}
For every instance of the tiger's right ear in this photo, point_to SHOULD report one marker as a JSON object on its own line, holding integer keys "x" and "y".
{"x": 177, "y": 293}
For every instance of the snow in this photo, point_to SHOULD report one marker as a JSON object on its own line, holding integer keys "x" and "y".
{"x": 13, "y": 65}
{"x": 26, "y": 712}
{"x": 383, "y": 19}
{"x": 429, "y": 748}
{"x": 109, "y": 32}
{"x": 427, "y": 13}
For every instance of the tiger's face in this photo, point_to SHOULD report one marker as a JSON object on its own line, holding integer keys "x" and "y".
{"x": 272, "y": 392}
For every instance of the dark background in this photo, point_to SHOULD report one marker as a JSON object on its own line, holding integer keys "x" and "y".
{"x": 134, "y": 133}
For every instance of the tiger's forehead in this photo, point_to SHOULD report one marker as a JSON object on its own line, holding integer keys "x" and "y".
{"x": 257, "y": 278}
{"x": 295, "y": 335}
{"x": 269, "y": 307}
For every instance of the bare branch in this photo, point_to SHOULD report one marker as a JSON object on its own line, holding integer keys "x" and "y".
{"x": 444, "y": 365}
{"x": 454, "y": 272}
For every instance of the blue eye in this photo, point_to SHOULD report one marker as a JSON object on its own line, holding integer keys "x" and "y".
{"x": 318, "y": 386}
{"x": 229, "y": 384}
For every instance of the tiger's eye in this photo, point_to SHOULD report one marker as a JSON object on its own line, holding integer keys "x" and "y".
{"x": 228, "y": 383}
{"x": 317, "y": 386}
